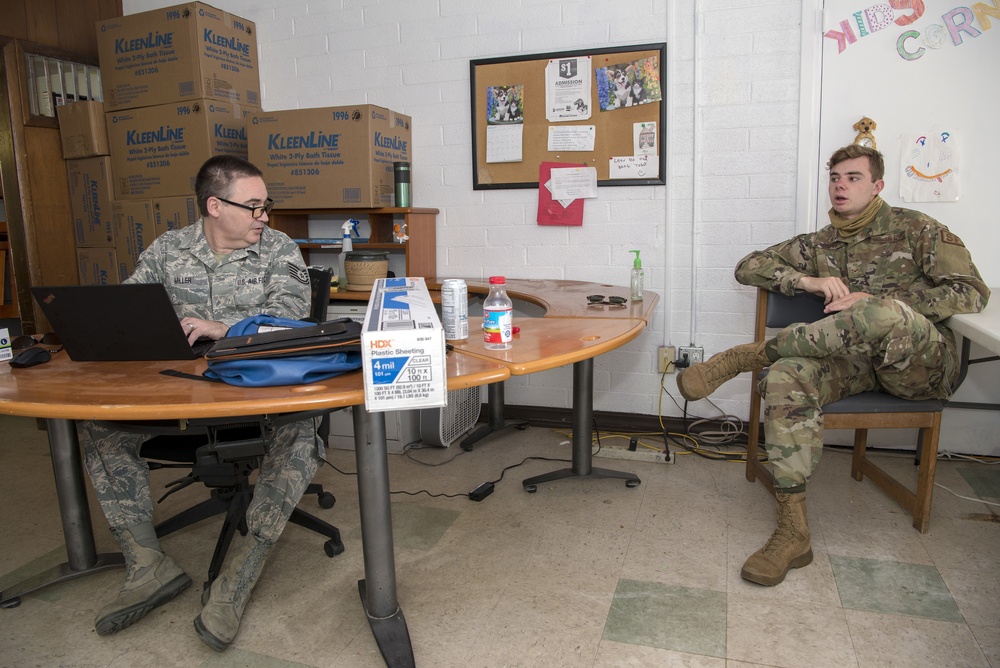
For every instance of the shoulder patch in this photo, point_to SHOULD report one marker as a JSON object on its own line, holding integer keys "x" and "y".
{"x": 300, "y": 274}
{"x": 949, "y": 238}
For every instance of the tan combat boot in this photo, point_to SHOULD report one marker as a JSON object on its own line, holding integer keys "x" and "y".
{"x": 151, "y": 579}
{"x": 219, "y": 621}
{"x": 787, "y": 548}
{"x": 700, "y": 380}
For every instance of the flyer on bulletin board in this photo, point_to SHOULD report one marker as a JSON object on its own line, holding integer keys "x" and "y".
{"x": 551, "y": 211}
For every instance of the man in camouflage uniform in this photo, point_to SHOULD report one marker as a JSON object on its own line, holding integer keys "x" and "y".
{"x": 889, "y": 277}
{"x": 227, "y": 266}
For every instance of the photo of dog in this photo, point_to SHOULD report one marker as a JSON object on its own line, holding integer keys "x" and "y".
{"x": 504, "y": 104}
{"x": 628, "y": 84}
{"x": 581, "y": 106}
{"x": 622, "y": 80}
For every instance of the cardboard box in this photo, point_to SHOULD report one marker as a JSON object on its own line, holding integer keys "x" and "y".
{"x": 82, "y": 130}
{"x": 98, "y": 266}
{"x": 329, "y": 157}
{"x": 181, "y": 53}
{"x": 157, "y": 151}
{"x": 90, "y": 201}
{"x": 402, "y": 348}
{"x": 133, "y": 232}
{"x": 173, "y": 213}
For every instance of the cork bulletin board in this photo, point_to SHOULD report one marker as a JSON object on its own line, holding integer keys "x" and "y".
{"x": 520, "y": 114}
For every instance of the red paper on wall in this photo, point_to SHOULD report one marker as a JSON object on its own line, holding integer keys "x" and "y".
{"x": 551, "y": 211}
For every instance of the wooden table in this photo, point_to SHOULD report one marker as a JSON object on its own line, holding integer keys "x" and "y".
{"x": 63, "y": 391}
{"x": 572, "y": 331}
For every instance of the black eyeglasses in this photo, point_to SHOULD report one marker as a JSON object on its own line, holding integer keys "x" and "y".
{"x": 255, "y": 211}
{"x": 599, "y": 299}
{"x": 26, "y": 341}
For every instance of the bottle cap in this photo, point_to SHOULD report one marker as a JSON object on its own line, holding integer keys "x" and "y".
{"x": 637, "y": 263}
{"x": 498, "y": 280}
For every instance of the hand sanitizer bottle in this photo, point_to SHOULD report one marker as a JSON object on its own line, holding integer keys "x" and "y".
{"x": 636, "y": 282}
{"x": 345, "y": 248}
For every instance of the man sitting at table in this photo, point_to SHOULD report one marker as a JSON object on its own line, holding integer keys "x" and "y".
{"x": 227, "y": 266}
{"x": 889, "y": 277}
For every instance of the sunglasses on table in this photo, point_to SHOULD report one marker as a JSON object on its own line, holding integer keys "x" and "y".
{"x": 595, "y": 300}
{"x": 256, "y": 211}
{"x": 26, "y": 341}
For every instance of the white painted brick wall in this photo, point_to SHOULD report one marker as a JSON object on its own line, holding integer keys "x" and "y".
{"x": 413, "y": 56}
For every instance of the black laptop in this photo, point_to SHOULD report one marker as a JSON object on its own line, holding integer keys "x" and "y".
{"x": 106, "y": 323}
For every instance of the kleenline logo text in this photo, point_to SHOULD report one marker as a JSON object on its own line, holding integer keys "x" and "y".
{"x": 278, "y": 142}
{"x": 232, "y": 43}
{"x": 95, "y": 200}
{"x": 222, "y": 132}
{"x": 160, "y": 135}
{"x": 149, "y": 41}
{"x": 393, "y": 143}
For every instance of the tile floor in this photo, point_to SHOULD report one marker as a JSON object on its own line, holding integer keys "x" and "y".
{"x": 581, "y": 573}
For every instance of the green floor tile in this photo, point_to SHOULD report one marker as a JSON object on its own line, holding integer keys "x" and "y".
{"x": 894, "y": 587}
{"x": 682, "y": 619}
{"x": 983, "y": 480}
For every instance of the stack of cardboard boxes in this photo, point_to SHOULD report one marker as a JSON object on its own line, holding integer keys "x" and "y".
{"x": 182, "y": 84}
{"x": 178, "y": 85}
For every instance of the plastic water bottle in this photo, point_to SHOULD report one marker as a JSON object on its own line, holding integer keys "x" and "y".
{"x": 498, "y": 316}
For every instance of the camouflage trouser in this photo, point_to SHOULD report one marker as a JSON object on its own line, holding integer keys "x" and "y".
{"x": 875, "y": 344}
{"x": 121, "y": 477}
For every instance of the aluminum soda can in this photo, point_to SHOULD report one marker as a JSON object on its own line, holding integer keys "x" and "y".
{"x": 455, "y": 309}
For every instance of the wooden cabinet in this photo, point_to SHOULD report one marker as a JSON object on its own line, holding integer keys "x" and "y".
{"x": 420, "y": 249}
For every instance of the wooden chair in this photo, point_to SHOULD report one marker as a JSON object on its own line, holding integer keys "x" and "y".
{"x": 861, "y": 412}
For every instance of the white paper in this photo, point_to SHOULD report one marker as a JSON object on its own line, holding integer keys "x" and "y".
{"x": 634, "y": 167}
{"x": 928, "y": 167}
{"x": 504, "y": 143}
{"x": 572, "y": 137}
{"x": 570, "y": 183}
{"x": 567, "y": 89}
{"x": 644, "y": 138}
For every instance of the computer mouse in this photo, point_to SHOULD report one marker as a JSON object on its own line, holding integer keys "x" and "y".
{"x": 30, "y": 357}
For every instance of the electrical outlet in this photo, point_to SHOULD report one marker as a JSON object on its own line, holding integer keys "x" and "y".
{"x": 689, "y": 355}
{"x": 665, "y": 359}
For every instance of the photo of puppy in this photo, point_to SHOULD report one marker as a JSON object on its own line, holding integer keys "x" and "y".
{"x": 581, "y": 106}
{"x": 622, "y": 80}
{"x": 504, "y": 104}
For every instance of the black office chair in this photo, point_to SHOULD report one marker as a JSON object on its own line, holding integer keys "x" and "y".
{"x": 223, "y": 453}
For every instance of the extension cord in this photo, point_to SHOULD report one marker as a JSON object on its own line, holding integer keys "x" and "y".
{"x": 641, "y": 454}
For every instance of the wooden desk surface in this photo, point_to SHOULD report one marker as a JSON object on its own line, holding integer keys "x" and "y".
{"x": 138, "y": 391}
{"x": 982, "y": 327}
{"x": 568, "y": 299}
{"x": 548, "y": 343}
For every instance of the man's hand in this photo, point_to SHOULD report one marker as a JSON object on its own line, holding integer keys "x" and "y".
{"x": 830, "y": 288}
{"x": 196, "y": 328}
{"x": 836, "y": 295}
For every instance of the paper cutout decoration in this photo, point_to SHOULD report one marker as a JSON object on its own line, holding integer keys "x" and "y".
{"x": 929, "y": 167}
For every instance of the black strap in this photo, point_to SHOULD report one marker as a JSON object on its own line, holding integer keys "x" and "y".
{"x": 189, "y": 376}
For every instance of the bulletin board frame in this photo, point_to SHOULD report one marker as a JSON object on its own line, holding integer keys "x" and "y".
{"x": 614, "y": 129}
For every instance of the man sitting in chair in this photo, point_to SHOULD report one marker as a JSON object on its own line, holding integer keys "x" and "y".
{"x": 889, "y": 277}
{"x": 227, "y": 266}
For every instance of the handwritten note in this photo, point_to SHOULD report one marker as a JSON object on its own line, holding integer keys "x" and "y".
{"x": 634, "y": 167}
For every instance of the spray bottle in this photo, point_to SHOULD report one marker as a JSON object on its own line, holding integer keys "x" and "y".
{"x": 344, "y": 250}
{"x": 636, "y": 282}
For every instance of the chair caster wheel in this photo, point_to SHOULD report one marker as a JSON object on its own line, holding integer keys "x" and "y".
{"x": 530, "y": 489}
{"x": 333, "y": 548}
{"x": 632, "y": 483}
{"x": 11, "y": 602}
{"x": 326, "y": 500}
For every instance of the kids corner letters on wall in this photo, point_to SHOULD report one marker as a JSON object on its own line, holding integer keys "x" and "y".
{"x": 602, "y": 108}
{"x": 952, "y": 28}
